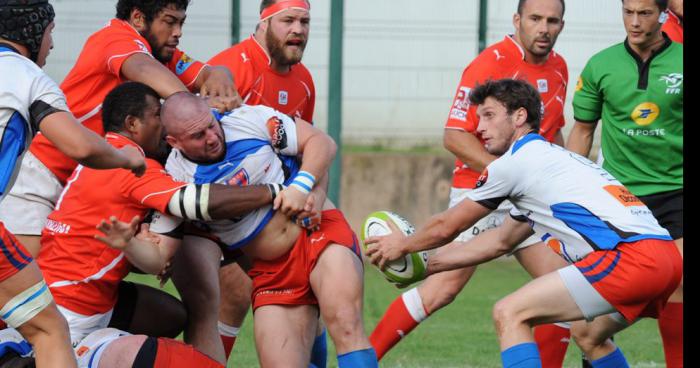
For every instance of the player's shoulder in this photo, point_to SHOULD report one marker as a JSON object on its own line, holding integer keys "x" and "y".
{"x": 608, "y": 54}
{"x": 557, "y": 60}
{"x": 16, "y": 65}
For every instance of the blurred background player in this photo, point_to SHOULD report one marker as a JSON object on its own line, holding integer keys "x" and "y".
{"x": 525, "y": 55}
{"x": 673, "y": 27}
{"x": 636, "y": 89}
{"x": 623, "y": 264}
{"x": 139, "y": 45}
{"x": 84, "y": 275}
{"x": 268, "y": 71}
{"x": 30, "y": 101}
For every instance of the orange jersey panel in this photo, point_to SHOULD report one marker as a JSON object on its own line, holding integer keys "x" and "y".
{"x": 506, "y": 60}
{"x": 82, "y": 272}
{"x": 96, "y": 72}
{"x": 292, "y": 93}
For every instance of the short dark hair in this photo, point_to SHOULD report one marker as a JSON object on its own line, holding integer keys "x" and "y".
{"x": 150, "y": 8}
{"x": 513, "y": 94}
{"x": 264, "y": 4}
{"x": 521, "y": 4}
{"x": 662, "y": 4}
{"x": 128, "y": 98}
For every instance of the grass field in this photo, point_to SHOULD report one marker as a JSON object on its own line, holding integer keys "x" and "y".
{"x": 462, "y": 334}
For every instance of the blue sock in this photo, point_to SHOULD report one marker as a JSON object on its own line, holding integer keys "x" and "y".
{"x": 613, "y": 360}
{"x": 523, "y": 355}
{"x": 319, "y": 352}
{"x": 366, "y": 358}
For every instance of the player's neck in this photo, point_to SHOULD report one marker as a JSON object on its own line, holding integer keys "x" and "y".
{"x": 644, "y": 51}
{"x": 530, "y": 58}
{"x": 21, "y": 49}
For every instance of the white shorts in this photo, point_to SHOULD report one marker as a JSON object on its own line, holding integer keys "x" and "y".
{"x": 81, "y": 325}
{"x": 32, "y": 198}
{"x": 492, "y": 220}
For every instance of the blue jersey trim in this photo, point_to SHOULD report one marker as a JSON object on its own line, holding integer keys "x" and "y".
{"x": 12, "y": 145}
{"x": 255, "y": 233}
{"x": 598, "y": 233}
{"x": 236, "y": 152}
{"x": 526, "y": 139}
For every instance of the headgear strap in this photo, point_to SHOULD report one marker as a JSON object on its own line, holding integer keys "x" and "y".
{"x": 283, "y": 5}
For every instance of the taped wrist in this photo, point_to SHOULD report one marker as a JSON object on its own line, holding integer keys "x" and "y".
{"x": 275, "y": 189}
{"x": 303, "y": 182}
{"x": 191, "y": 202}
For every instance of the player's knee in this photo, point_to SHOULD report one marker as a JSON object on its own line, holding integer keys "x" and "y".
{"x": 505, "y": 314}
{"x": 586, "y": 340}
{"x": 344, "y": 321}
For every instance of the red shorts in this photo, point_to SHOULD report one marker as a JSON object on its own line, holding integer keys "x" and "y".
{"x": 285, "y": 280}
{"x": 176, "y": 354}
{"x": 636, "y": 278}
{"x": 14, "y": 256}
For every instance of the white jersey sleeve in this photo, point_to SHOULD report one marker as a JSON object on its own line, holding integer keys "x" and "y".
{"x": 266, "y": 123}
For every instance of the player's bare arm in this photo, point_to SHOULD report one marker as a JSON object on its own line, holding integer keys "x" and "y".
{"x": 483, "y": 248}
{"x": 143, "y": 68}
{"x": 581, "y": 138}
{"x": 439, "y": 230}
{"x": 317, "y": 150}
{"x": 86, "y": 147}
{"x": 467, "y": 148}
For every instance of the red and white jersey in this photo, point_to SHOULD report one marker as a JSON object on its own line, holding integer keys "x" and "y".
{"x": 292, "y": 93}
{"x": 96, "y": 72}
{"x": 82, "y": 272}
{"x": 566, "y": 197}
{"x": 673, "y": 27}
{"x": 506, "y": 59}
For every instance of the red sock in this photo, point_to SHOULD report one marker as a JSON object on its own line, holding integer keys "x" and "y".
{"x": 397, "y": 322}
{"x": 552, "y": 341}
{"x": 228, "y": 337}
{"x": 671, "y": 328}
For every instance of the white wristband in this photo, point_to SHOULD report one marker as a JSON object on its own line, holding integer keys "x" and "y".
{"x": 303, "y": 182}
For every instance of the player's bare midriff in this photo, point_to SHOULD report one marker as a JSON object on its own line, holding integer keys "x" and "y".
{"x": 277, "y": 238}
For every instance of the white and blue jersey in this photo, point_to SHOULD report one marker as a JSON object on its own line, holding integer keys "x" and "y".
{"x": 27, "y": 95}
{"x": 261, "y": 147}
{"x": 566, "y": 196}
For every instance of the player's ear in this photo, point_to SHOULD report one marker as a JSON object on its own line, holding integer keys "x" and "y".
{"x": 131, "y": 124}
{"x": 172, "y": 141}
{"x": 138, "y": 19}
{"x": 516, "y": 21}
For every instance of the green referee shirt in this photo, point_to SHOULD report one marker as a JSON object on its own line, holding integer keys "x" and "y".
{"x": 641, "y": 106}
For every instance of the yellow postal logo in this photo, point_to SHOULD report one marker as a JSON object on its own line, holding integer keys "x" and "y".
{"x": 579, "y": 84}
{"x": 645, "y": 113}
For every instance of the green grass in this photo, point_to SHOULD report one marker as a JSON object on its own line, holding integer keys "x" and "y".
{"x": 461, "y": 334}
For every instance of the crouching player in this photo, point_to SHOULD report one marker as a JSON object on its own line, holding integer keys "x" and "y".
{"x": 295, "y": 271}
{"x": 624, "y": 264}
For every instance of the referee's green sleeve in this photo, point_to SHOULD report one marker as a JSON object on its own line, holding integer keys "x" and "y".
{"x": 588, "y": 97}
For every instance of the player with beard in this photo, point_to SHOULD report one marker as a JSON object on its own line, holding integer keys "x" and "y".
{"x": 139, "y": 45}
{"x": 528, "y": 55}
{"x": 268, "y": 71}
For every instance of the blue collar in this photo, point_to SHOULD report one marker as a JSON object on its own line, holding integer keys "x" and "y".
{"x": 6, "y": 47}
{"x": 526, "y": 139}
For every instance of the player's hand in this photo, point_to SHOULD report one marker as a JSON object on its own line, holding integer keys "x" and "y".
{"x": 118, "y": 234}
{"x": 290, "y": 201}
{"x": 310, "y": 217}
{"x": 145, "y": 234}
{"x": 386, "y": 248}
{"x": 135, "y": 161}
{"x": 220, "y": 90}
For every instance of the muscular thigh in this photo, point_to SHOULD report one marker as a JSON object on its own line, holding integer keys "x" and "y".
{"x": 284, "y": 334}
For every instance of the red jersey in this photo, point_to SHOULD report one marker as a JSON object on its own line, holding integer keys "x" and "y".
{"x": 506, "y": 59}
{"x": 96, "y": 72}
{"x": 82, "y": 272}
{"x": 292, "y": 93}
{"x": 673, "y": 27}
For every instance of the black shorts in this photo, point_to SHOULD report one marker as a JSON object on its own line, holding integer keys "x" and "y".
{"x": 667, "y": 207}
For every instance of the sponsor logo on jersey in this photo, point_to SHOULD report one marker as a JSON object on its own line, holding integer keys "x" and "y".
{"x": 461, "y": 104}
{"x": 283, "y": 97}
{"x": 244, "y": 57}
{"x": 278, "y": 135}
{"x": 673, "y": 83}
{"x": 482, "y": 178}
{"x": 182, "y": 64}
{"x": 498, "y": 55}
{"x": 542, "y": 86}
{"x": 645, "y": 113}
{"x": 240, "y": 178}
{"x": 579, "y": 84}
{"x": 623, "y": 195}
{"x": 142, "y": 46}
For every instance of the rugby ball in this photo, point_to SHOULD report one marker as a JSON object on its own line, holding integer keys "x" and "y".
{"x": 406, "y": 270}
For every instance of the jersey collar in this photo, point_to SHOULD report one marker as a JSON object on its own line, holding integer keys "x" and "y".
{"x": 120, "y": 23}
{"x": 117, "y": 140}
{"x": 527, "y": 138}
{"x": 262, "y": 50}
{"x": 8, "y": 47}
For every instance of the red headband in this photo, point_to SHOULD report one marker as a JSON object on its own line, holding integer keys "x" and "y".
{"x": 283, "y": 5}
